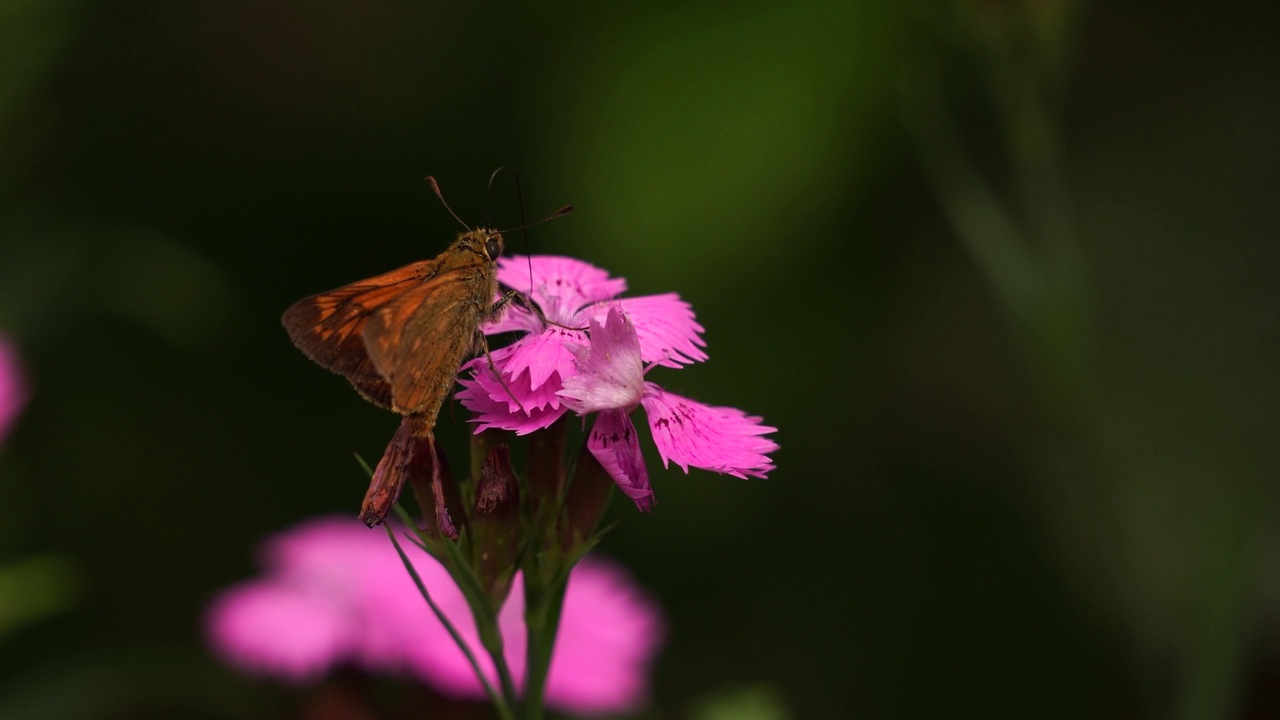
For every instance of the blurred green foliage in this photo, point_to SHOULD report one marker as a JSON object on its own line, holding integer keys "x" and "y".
{"x": 1000, "y": 272}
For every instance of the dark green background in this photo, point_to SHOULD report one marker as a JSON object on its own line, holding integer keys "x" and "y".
{"x": 1007, "y": 487}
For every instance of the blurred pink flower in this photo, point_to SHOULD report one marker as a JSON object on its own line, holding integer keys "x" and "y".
{"x": 553, "y": 370}
{"x": 336, "y": 592}
{"x": 13, "y": 389}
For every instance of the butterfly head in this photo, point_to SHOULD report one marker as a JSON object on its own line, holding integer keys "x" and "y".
{"x": 485, "y": 242}
{"x": 493, "y": 245}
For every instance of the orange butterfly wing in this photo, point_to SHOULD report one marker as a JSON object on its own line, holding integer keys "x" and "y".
{"x": 418, "y": 341}
{"x": 329, "y": 327}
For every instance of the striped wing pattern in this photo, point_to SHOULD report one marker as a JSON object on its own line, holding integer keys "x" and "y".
{"x": 329, "y": 327}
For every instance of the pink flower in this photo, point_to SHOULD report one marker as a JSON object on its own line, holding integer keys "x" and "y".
{"x": 13, "y": 389}
{"x": 610, "y": 382}
{"x": 571, "y": 293}
{"x": 336, "y": 592}
{"x": 553, "y": 370}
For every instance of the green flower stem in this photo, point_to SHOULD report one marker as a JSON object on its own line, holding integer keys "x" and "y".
{"x": 485, "y": 614}
{"x": 491, "y": 639}
{"x": 502, "y": 705}
{"x": 546, "y": 567}
{"x": 545, "y": 483}
{"x": 544, "y": 598}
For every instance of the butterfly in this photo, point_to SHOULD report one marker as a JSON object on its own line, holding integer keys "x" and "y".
{"x": 400, "y": 338}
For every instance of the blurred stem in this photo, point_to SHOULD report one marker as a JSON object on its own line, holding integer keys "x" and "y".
{"x": 1025, "y": 51}
{"x": 1058, "y": 326}
{"x": 1027, "y": 251}
{"x": 1214, "y": 659}
{"x": 976, "y": 214}
{"x": 1033, "y": 146}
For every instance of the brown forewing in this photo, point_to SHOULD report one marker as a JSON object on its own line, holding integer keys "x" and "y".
{"x": 400, "y": 338}
{"x": 329, "y": 327}
{"x": 418, "y": 341}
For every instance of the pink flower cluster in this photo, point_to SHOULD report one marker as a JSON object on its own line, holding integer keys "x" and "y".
{"x": 13, "y": 390}
{"x": 334, "y": 592}
{"x": 553, "y": 370}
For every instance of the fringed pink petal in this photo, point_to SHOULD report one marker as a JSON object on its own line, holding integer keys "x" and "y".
{"x": 560, "y": 285}
{"x": 721, "y": 439}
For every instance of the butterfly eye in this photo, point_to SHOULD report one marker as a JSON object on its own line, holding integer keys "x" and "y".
{"x": 493, "y": 247}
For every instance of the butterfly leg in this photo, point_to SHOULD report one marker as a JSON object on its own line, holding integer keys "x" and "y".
{"x": 412, "y": 448}
{"x": 443, "y": 521}
{"x": 533, "y": 308}
{"x": 508, "y": 296}
{"x": 529, "y": 305}
{"x": 388, "y": 478}
{"x": 483, "y": 343}
{"x": 496, "y": 308}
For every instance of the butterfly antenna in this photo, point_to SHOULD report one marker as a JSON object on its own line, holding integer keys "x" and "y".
{"x": 488, "y": 195}
{"x": 559, "y": 213}
{"x": 436, "y": 189}
{"x": 524, "y": 229}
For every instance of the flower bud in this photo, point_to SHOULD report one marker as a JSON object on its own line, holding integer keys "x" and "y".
{"x": 587, "y": 499}
{"x": 495, "y": 524}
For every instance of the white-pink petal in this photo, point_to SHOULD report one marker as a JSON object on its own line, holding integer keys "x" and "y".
{"x": 721, "y": 439}
{"x": 610, "y": 371}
